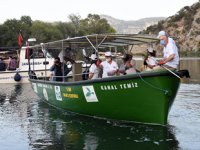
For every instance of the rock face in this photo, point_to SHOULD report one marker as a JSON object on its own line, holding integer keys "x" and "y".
{"x": 131, "y": 27}
{"x": 184, "y": 26}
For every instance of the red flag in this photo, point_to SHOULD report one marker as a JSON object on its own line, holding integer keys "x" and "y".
{"x": 20, "y": 40}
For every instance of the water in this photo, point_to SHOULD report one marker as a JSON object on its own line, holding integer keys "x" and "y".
{"x": 27, "y": 123}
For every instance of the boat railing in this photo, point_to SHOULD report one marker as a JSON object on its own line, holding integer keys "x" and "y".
{"x": 69, "y": 77}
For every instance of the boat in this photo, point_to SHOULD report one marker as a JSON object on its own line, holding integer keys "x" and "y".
{"x": 20, "y": 73}
{"x": 144, "y": 97}
{"x": 39, "y": 62}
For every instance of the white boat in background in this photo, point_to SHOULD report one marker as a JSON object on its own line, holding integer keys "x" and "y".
{"x": 39, "y": 61}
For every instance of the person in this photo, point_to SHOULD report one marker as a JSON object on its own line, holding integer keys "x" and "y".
{"x": 56, "y": 68}
{"x": 94, "y": 68}
{"x": 128, "y": 65}
{"x": 65, "y": 52}
{"x": 68, "y": 65}
{"x": 2, "y": 65}
{"x": 12, "y": 64}
{"x": 150, "y": 61}
{"x": 170, "y": 51}
{"x": 109, "y": 66}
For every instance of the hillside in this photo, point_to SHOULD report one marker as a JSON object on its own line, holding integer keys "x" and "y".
{"x": 184, "y": 26}
{"x": 131, "y": 27}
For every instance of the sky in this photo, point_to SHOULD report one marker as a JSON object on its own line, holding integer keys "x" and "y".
{"x": 59, "y": 10}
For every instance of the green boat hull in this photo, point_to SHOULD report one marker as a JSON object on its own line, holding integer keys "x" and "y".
{"x": 145, "y": 97}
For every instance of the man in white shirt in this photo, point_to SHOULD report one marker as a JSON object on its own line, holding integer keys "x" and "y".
{"x": 170, "y": 51}
{"x": 110, "y": 67}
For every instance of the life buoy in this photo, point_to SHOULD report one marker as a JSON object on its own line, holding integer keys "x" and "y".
{"x": 17, "y": 77}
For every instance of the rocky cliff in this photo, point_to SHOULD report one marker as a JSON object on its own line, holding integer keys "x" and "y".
{"x": 131, "y": 27}
{"x": 184, "y": 26}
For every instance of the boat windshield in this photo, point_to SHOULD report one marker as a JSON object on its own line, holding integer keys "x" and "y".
{"x": 38, "y": 53}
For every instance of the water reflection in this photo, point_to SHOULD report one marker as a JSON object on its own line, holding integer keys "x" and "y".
{"x": 28, "y": 123}
{"x": 9, "y": 93}
{"x": 69, "y": 131}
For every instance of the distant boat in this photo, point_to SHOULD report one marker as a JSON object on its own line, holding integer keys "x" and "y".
{"x": 144, "y": 97}
{"x": 37, "y": 60}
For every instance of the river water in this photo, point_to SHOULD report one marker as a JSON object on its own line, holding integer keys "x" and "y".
{"x": 27, "y": 123}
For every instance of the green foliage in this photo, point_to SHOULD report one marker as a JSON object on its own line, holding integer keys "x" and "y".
{"x": 45, "y": 32}
{"x": 93, "y": 24}
{"x": 172, "y": 24}
{"x": 188, "y": 18}
{"x": 75, "y": 24}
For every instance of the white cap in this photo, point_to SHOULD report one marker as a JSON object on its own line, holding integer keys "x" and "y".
{"x": 150, "y": 49}
{"x": 161, "y": 33}
{"x": 93, "y": 57}
{"x": 108, "y": 53}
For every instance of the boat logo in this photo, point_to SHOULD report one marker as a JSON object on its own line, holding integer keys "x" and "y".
{"x": 89, "y": 93}
{"x": 58, "y": 93}
{"x": 45, "y": 94}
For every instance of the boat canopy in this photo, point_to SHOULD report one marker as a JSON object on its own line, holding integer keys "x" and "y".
{"x": 97, "y": 41}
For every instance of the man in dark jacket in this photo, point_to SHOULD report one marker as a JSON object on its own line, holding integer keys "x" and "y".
{"x": 57, "y": 70}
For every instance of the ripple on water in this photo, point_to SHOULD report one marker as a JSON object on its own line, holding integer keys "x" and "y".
{"x": 184, "y": 116}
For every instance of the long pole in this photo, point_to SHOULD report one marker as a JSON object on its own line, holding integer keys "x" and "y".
{"x": 167, "y": 69}
{"x": 170, "y": 71}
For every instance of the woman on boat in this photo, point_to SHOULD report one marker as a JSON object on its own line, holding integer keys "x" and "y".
{"x": 94, "y": 68}
{"x": 109, "y": 66}
{"x": 57, "y": 70}
{"x": 150, "y": 61}
{"x": 128, "y": 65}
{"x": 12, "y": 65}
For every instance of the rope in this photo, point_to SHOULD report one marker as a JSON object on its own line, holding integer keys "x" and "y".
{"x": 153, "y": 86}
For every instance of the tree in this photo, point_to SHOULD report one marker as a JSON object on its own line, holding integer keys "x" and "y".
{"x": 45, "y": 32}
{"x": 11, "y": 30}
{"x": 25, "y": 25}
{"x": 75, "y": 21}
{"x": 93, "y": 24}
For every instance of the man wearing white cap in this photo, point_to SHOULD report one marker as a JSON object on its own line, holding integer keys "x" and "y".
{"x": 110, "y": 67}
{"x": 170, "y": 51}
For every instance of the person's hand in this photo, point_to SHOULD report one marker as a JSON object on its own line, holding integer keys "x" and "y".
{"x": 111, "y": 73}
{"x": 122, "y": 71}
{"x": 161, "y": 62}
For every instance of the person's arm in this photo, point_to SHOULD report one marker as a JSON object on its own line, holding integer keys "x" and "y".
{"x": 171, "y": 52}
{"x": 52, "y": 67}
{"x": 171, "y": 57}
{"x": 90, "y": 75}
{"x": 117, "y": 72}
{"x": 91, "y": 72}
{"x": 133, "y": 63}
{"x": 8, "y": 67}
{"x": 164, "y": 61}
{"x": 151, "y": 66}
